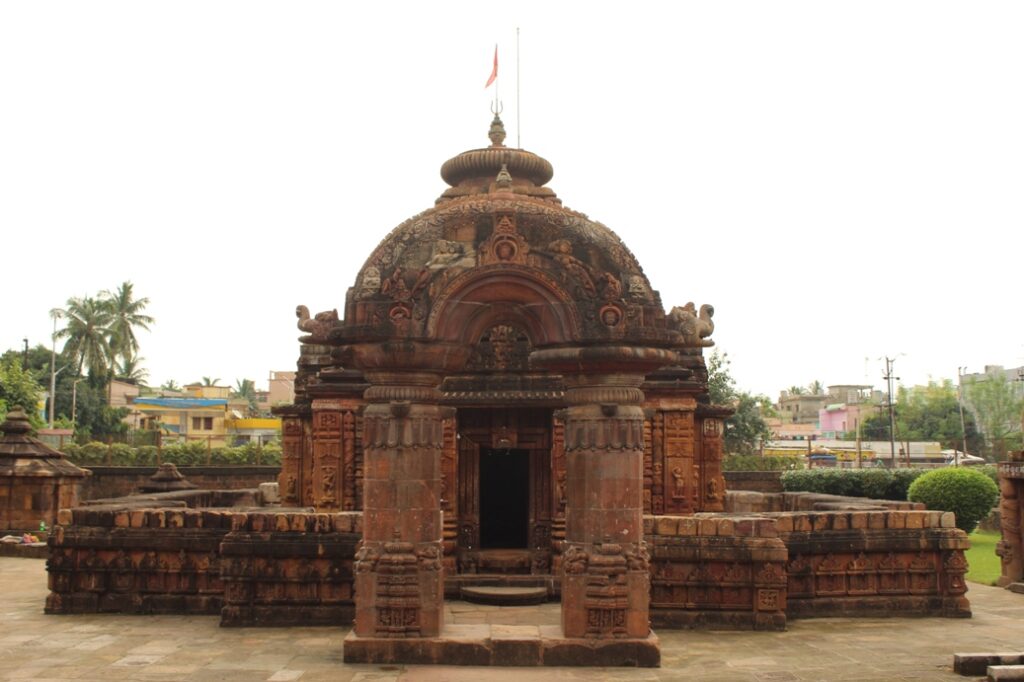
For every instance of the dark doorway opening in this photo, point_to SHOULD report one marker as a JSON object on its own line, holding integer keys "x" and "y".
{"x": 504, "y": 498}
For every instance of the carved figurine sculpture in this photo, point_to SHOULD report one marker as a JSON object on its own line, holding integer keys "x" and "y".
{"x": 695, "y": 327}
{"x": 320, "y": 324}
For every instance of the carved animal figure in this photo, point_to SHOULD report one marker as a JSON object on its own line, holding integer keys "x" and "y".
{"x": 695, "y": 327}
{"x": 320, "y": 324}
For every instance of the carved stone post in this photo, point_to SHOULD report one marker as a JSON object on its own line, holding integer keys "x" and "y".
{"x": 1011, "y": 547}
{"x": 606, "y": 581}
{"x": 399, "y": 576}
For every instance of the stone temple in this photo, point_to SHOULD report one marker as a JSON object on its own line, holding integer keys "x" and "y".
{"x": 505, "y": 402}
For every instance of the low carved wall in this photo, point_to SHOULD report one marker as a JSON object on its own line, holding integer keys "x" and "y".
{"x": 874, "y": 563}
{"x": 290, "y": 569}
{"x": 252, "y": 568}
{"x": 117, "y": 481}
{"x": 747, "y": 570}
{"x": 716, "y": 571}
{"x": 758, "y": 481}
{"x": 138, "y": 561}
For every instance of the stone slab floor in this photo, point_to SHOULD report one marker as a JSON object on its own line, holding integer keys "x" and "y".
{"x": 104, "y": 648}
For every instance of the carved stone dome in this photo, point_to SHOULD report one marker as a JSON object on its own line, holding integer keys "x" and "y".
{"x": 498, "y": 247}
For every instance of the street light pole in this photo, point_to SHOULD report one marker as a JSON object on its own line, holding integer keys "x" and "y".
{"x": 892, "y": 410}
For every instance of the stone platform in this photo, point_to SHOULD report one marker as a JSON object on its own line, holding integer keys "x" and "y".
{"x": 505, "y": 645}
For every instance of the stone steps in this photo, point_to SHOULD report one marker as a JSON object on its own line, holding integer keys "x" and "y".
{"x": 504, "y": 596}
{"x": 1005, "y": 673}
{"x": 978, "y": 664}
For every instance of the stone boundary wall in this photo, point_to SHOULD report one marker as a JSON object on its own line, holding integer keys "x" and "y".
{"x": 874, "y": 563}
{"x": 757, "y": 481}
{"x": 252, "y": 568}
{"x": 138, "y": 561}
{"x": 748, "y": 570}
{"x": 290, "y": 569}
{"x": 746, "y": 502}
{"x": 118, "y": 481}
{"x": 717, "y": 572}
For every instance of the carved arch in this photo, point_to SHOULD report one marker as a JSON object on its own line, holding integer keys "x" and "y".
{"x": 480, "y": 298}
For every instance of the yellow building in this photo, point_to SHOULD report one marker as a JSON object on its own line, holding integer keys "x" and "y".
{"x": 206, "y": 414}
{"x": 185, "y": 419}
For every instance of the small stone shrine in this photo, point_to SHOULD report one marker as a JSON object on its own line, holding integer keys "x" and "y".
{"x": 506, "y": 394}
{"x": 35, "y": 480}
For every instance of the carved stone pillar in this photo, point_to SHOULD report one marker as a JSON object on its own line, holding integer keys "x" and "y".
{"x": 1011, "y": 547}
{"x": 399, "y": 574}
{"x": 606, "y": 580}
{"x": 711, "y": 489}
{"x": 294, "y": 424}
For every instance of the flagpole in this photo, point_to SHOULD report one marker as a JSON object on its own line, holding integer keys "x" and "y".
{"x": 519, "y": 142}
{"x": 497, "y": 79}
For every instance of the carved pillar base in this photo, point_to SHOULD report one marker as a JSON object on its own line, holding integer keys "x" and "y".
{"x": 606, "y": 584}
{"x": 399, "y": 574}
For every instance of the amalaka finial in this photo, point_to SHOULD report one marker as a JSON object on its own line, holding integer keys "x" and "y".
{"x": 17, "y": 422}
{"x": 497, "y": 132}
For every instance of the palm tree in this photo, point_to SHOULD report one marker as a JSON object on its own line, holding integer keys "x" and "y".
{"x": 131, "y": 369}
{"x": 87, "y": 333}
{"x": 125, "y": 316}
{"x": 246, "y": 389}
{"x": 816, "y": 388}
{"x": 210, "y": 381}
{"x": 797, "y": 390}
{"x": 170, "y": 385}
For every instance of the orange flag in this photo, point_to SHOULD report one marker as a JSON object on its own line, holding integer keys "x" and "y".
{"x": 494, "y": 71}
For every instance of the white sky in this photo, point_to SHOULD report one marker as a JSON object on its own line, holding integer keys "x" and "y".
{"x": 841, "y": 180}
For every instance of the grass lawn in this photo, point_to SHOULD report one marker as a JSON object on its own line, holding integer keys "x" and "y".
{"x": 983, "y": 564}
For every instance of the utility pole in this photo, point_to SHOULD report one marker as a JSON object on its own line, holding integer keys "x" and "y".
{"x": 24, "y": 360}
{"x": 960, "y": 372}
{"x": 55, "y": 313}
{"x": 892, "y": 410}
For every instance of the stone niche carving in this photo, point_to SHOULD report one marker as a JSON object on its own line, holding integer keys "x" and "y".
{"x": 505, "y": 245}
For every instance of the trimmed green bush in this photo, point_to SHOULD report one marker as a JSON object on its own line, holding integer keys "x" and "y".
{"x": 879, "y": 484}
{"x": 967, "y": 493}
{"x": 193, "y": 453}
{"x": 758, "y": 463}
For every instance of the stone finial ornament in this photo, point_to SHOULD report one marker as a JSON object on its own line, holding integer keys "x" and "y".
{"x": 497, "y": 132}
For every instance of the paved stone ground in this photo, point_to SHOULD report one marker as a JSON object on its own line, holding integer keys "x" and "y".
{"x": 103, "y": 648}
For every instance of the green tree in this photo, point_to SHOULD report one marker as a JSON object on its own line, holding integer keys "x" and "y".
{"x": 998, "y": 409}
{"x": 170, "y": 385}
{"x": 816, "y": 388}
{"x": 796, "y": 390}
{"x": 125, "y": 317}
{"x": 87, "y": 333}
{"x": 246, "y": 390}
{"x": 210, "y": 381}
{"x": 926, "y": 413}
{"x": 130, "y": 369}
{"x": 746, "y": 429}
{"x": 19, "y": 386}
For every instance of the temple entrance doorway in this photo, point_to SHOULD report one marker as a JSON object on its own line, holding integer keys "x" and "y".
{"x": 504, "y": 506}
{"x": 504, "y": 498}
